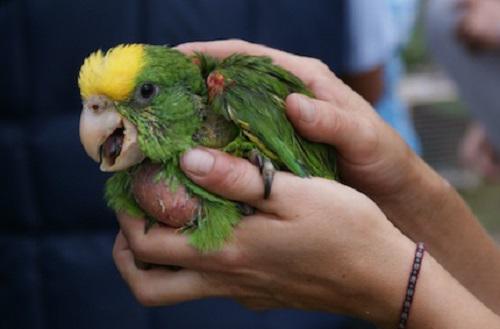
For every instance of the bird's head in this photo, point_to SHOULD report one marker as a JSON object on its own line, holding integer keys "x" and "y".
{"x": 139, "y": 101}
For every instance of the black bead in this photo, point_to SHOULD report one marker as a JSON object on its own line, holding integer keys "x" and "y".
{"x": 147, "y": 90}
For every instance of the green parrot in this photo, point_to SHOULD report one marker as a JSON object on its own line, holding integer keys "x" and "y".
{"x": 146, "y": 105}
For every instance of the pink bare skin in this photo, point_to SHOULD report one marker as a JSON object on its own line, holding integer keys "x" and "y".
{"x": 318, "y": 244}
{"x": 155, "y": 197}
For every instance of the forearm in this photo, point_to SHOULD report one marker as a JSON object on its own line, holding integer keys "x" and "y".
{"x": 441, "y": 302}
{"x": 430, "y": 210}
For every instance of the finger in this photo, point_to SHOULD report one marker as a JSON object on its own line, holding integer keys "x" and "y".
{"x": 237, "y": 179}
{"x": 464, "y": 4}
{"x": 224, "y": 48}
{"x": 161, "y": 245}
{"x": 326, "y": 87}
{"x": 310, "y": 70}
{"x": 319, "y": 121}
{"x": 158, "y": 286}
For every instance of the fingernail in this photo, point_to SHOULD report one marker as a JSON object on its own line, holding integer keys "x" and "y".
{"x": 198, "y": 162}
{"x": 306, "y": 108}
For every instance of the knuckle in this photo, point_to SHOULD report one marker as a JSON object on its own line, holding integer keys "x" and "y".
{"x": 370, "y": 134}
{"x": 235, "y": 177}
{"x": 331, "y": 120}
{"x": 239, "y": 42}
{"x": 138, "y": 246}
{"x": 144, "y": 294}
{"x": 319, "y": 65}
{"x": 115, "y": 254}
{"x": 231, "y": 258}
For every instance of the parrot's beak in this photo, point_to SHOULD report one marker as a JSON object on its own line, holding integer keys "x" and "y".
{"x": 108, "y": 138}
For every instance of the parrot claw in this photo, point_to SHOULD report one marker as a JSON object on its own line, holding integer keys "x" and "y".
{"x": 245, "y": 209}
{"x": 266, "y": 170}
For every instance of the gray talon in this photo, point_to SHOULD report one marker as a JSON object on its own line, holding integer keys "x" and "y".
{"x": 255, "y": 158}
{"x": 266, "y": 170}
{"x": 245, "y": 209}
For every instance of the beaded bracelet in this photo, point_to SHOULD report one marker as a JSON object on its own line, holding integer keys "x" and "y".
{"x": 412, "y": 283}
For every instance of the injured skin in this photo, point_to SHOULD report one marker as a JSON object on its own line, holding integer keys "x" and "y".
{"x": 175, "y": 209}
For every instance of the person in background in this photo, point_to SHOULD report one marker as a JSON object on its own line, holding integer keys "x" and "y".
{"x": 464, "y": 37}
{"x": 379, "y": 30}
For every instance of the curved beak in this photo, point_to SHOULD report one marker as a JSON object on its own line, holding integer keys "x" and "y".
{"x": 108, "y": 138}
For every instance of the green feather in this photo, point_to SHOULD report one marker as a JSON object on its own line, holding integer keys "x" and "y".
{"x": 216, "y": 225}
{"x": 247, "y": 113}
{"x": 254, "y": 99}
{"x": 119, "y": 196}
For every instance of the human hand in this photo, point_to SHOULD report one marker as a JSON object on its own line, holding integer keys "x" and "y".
{"x": 479, "y": 28}
{"x": 314, "y": 244}
{"x": 478, "y": 154}
{"x": 374, "y": 160}
{"x": 371, "y": 156}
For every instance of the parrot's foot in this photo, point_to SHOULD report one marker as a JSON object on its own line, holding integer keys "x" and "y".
{"x": 216, "y": 225}
{"x": 245, "y": 209}
{"x": 266, "y": 170}
{"x": 195, "y": 220}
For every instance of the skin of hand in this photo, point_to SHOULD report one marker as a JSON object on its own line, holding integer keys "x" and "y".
{"x": 479, "y": 28}
{"x": 309, "y": 246}
{"x": 477, "y": 153}
{"x": 374, "y": 160}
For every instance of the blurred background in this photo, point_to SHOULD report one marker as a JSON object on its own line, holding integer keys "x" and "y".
{"x": 435, "y": 84}
{"x": 443, "y": 119}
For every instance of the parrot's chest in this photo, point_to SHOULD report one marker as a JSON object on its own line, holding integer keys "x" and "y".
{"x": 154, "y": 192}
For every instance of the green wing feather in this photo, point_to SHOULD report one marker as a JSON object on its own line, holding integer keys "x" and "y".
{"x": 253, "y": 97}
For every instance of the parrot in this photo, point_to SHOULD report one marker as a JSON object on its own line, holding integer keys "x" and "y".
{"x": 146, "y": 105}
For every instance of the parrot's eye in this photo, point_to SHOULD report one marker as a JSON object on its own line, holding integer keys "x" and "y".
{"x": 145, "y": 93}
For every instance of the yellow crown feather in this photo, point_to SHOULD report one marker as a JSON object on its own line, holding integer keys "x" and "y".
{"x": 112, "y": 74}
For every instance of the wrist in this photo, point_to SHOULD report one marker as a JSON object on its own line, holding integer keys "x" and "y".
{"x": 441, "y": 302}
{"x": 388, "y": 281}
{"x": 424, "y": 195}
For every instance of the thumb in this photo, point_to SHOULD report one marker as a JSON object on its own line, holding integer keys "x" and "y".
{"x": 237, "y": 179}
{"x": 353, "y": 134}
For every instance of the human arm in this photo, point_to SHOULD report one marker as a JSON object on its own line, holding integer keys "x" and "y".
{"x": 367, "y": 47}
{"x": 374, "y": 160}
{"x": 314, "y": 245}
